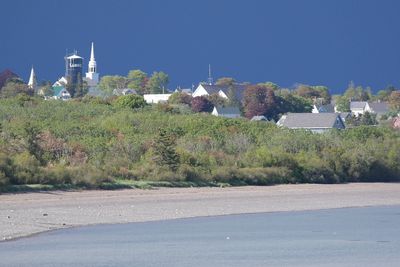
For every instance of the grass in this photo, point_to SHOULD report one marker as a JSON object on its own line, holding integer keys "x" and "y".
{"x": 118, "y": 184}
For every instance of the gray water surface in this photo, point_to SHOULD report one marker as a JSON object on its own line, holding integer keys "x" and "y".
{"x": 339, "y": 237}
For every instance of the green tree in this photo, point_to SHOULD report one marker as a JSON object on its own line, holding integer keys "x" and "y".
{"x": 158, "y": 82}
{"x": 272, "y": 85}
{"x": 130, "y": 101}
{"x": 217, "y": 100}
{"x": 225, "y": 81}
{"x": 342, "y": 104}
{"x": 232, "y": 94}
{"x": 15, "y": 87}
{"x": 293, "y": 103}
{"x": 165, "y": 150}
{"x": 108, "y": 83}
{"x": 138, "y": 80}
{"x": 81, "y": 88}
{"x": 32, "y": 141}
{"x": 180, "y": 98}
{"x": 45, "y": 89}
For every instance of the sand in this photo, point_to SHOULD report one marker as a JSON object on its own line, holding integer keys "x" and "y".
{"x": 30, "y": 213}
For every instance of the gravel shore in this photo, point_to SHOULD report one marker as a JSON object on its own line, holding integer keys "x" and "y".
{"x": 31, "y": 213}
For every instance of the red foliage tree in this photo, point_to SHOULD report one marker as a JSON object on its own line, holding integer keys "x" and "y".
{"x": 394, "y": 100}
{"x": 201, "y": 104}
{"x": 259, "y": 100}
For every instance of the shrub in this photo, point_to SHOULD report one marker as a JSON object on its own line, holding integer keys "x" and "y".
{"x": 130, "y": 101}
{"x": 201, "y": 104}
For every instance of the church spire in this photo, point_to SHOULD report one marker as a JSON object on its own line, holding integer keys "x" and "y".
{"x": 92, "y": 53}
{"x": 92, "y": 76}
{"x": 92, "y": 61}
{"x": 32, "y": 83}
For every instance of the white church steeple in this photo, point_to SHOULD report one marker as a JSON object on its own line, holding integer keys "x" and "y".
{"x": 92, "y": 77}
{"x": 32, "y": 83}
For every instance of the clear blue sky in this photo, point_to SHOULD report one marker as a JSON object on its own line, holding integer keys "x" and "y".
{"x": 318, "y": 42}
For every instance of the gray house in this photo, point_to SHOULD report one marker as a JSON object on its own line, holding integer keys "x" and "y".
{"x": 227, "y": 112}
{"x": 379, "y": 108}
{"x": 315, "y": 122}
{"x": 124, "y": 91}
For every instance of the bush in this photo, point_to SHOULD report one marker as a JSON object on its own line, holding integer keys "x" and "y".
{"x": 130, "y": 101}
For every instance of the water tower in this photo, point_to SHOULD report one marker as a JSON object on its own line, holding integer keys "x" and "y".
{"x": 73, "y": 69}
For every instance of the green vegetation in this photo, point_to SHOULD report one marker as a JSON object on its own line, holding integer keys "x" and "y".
{"x": 96, "y": 143}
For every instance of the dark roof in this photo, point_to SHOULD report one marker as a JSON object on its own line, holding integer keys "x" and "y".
{"x": 227, "y": 110}
{"x": 214, "y": 89}
{"x": 329, "y": 108}
{"x": 309, "y": 120}
{"x": 379, "y": 107}
{"x": 357, "y": 104}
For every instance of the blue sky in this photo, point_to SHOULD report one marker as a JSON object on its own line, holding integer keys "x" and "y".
{"x": 317, "y": 42}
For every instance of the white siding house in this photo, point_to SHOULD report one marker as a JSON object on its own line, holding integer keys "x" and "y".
{"x": 156, "y": 98}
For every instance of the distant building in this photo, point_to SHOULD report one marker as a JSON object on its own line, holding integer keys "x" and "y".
{"x": 74, "y": 70}
{"x": 184, "y": 91}
{"x": 379, "y": 108}
{"x": 156, "y": 98}
{"x": 125, "y": 91}
{"x": 227, "y": 112}
{"x": 92, "y": 76}
{"x": 61, "y": 93}
{"x": 315, "y": 122}
{"x": 61, "y": 82}
{"x": 329, "y": 108}
{"x": 205, "y": 89}
{"x": 32, "y": 83}
{"x": 360, "y": 107}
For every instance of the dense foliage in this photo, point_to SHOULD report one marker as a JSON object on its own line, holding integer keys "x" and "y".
{"x": 90, "y": 142}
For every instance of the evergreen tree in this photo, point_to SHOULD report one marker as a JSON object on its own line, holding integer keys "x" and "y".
{"x": 164, "y": 149}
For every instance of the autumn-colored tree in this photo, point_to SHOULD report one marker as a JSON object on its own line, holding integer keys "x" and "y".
{"x": 201, "y": 104}
{"x": 314, "y": 92}
{"x": 394, "y": 100}
{"x": 259, "y": 100}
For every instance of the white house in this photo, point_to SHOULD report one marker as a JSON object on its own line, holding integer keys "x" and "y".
{"x": 360, "y": 107}
{"x": 61, "y": 93}
{"x": 156, "y": 98}
{"x": 61, "y": 82}
{"x": 315, "y": 122}
{"x": 205, "y": 89}
{"x": 227, "y": 112}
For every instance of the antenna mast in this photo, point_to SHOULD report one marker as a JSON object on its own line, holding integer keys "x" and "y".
{"x": 210, "y": 79}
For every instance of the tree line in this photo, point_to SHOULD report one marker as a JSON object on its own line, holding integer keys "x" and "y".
{"x": 89, "y": 142}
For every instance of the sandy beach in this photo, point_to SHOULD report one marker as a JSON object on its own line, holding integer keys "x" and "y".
{"x": 30, "y": 213}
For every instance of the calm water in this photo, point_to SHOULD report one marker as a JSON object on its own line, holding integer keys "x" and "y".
{"x": 340, "y": 237}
